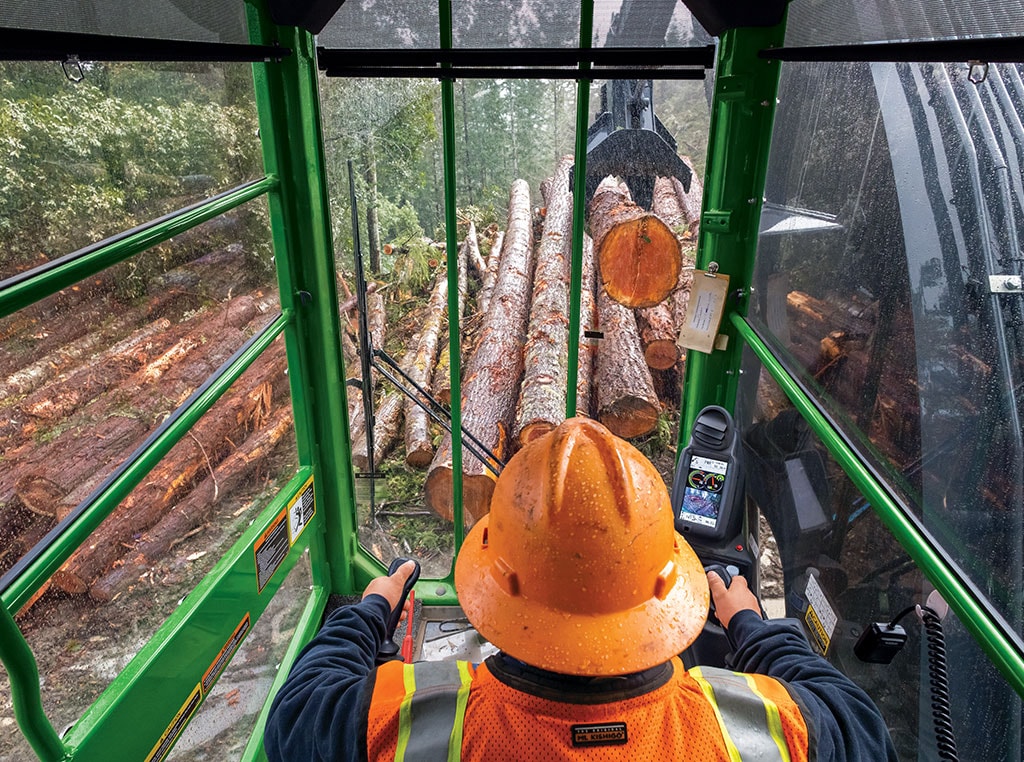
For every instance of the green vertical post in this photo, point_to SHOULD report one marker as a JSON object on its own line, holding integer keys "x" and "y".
{"x": 743, "y": 111}
{"x": 452, "y": 262}
{"x": 288, "y": 105}
{"x": 578, "y": 209}
{"x": 21, "y": 668}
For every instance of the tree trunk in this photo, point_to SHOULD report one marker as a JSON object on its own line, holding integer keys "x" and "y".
{"x": 493, "y": 373}
{"x": 387, "y": 421}
{"x": 483, "y": 297}
{"x": 419, "y": 447}
{"x": 372, "y": 227}
{"x": 691, "y": 202}
{"x": 657, "y": 325}
{"x": 637, "y": 255}
{"x": 235, "y": 471}
{"x": 471, "y": 248}
{"x": 542, "y": 397}
{"x": 588, "y": 321}
{"x": 626, "y": 401}
{"x": 440, "y": 379}
{"x": 376, "y": 322}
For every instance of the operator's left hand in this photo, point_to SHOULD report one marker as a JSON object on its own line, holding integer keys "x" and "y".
{"x": 391, "y": 587}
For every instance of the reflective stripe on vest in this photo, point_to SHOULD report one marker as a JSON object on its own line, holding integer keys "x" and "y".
{"x": 432, "y": 713}
{"x": 750, "y": 721}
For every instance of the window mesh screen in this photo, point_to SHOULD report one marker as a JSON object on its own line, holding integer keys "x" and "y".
{"x": 191, "y": 20}
{"x": 844, "y": 22}
{"x": 383, "y": 24}
{"x": 508, "y": 24}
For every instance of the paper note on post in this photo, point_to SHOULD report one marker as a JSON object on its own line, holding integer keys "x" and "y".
{"x": 704, "y": 316}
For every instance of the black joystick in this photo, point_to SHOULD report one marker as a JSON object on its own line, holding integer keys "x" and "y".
{"x": 389, "y": 649}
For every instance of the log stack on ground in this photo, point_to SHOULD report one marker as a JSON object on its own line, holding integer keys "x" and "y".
{"x": 542, "y": 399}
{"x": 638, "y": 257}
{"x": 493, "y": 373}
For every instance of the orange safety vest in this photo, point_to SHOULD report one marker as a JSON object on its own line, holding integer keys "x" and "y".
{"x": 450, "y": 711}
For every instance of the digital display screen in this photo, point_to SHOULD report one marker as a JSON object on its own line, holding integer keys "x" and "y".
{"x": 702, "y": 497}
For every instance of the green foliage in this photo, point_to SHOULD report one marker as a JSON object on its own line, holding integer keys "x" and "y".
{"x": 90, "y": 159}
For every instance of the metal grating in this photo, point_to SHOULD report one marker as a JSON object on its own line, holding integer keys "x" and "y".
{"x": 221, "y": 21}
{"x": 846, "y": 22}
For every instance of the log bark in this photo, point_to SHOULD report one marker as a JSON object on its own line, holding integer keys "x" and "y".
{"x": 419, "y": 447}
{"x": 588, "y": 321}
{"x": 474, "y": 260}
{"x": 387, "y": 424}
{"x": 691, "y": 202}
{"x": 210, "y": 440}
{"x": 626, "y": 401}
{"x": 542, "y": 396}
{"x": 376, "y": 327}
{"x": 441, "y": 380}
{"x": 235, "y": 471}
{"x": 658, "y": 325}
{"x": 483, "y": 297}
{"x": 493, "y": 372}
{"x": 637, "y": 254}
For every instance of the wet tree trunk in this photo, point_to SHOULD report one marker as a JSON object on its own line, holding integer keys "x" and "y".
{"x": 637, "y": 254}
{"x": 542, "y": 397}
{"x": 419, "y": 447}
{"x": 588, "y": 321}
{"x": 483, "y": 297}
{"x": 494, "y": 371}
{"x": 372, "y": 226}
{"x": 691, "y": 202}
{"x": 441, "y": 380}
{"x": 626, "y": 401}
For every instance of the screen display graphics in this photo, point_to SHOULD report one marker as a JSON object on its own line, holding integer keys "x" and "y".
{"x": 702, "y": 498}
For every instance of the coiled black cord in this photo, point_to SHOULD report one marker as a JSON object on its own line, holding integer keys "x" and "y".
{"x": 938, "y": 680}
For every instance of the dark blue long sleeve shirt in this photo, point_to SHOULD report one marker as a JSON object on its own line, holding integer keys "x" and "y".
{"x": 319, "y": 715}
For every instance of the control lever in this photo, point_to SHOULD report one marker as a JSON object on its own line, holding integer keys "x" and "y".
{"x": 389, "y": 649}
{"x": 727, "y": 572}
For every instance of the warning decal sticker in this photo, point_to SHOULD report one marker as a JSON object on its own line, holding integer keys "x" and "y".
{"x": 820, "y": 617}
{"x": 177, "y": 725}
{"x": 270, "y": 549}
{"x": 301, "y": 510}
{"x": 214, "y": 670}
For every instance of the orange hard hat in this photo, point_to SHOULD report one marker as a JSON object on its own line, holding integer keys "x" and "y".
{"x": 577, "y": 568}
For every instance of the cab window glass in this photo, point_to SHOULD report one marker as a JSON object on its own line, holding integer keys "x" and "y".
{"x": 893, "y": 223}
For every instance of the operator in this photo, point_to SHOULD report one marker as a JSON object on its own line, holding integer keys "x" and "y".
{"x": 578, "y": 576}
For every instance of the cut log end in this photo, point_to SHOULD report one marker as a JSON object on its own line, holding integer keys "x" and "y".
{"x": 661, "y": 355}
{"x": 534, "y": 430}
{"x": 420, "y": 457}
{"x": 476, "y": 494}
{"x": 639, "y": 262}
{"x": 630, "y": 417}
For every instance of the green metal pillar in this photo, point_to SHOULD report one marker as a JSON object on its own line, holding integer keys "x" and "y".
{"x": 289, "y": 114}
{"x": 742, "y": 114}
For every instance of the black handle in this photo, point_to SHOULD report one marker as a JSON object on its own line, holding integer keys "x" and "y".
{"x": 389, "y": 649}
{"x": 720, "y": 570}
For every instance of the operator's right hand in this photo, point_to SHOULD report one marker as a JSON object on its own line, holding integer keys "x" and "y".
{"x": 733, "y": 599}
{"x": 391, "y": 587}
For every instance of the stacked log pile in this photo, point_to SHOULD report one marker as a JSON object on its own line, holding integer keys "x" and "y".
{"x": 66, "y": 436}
